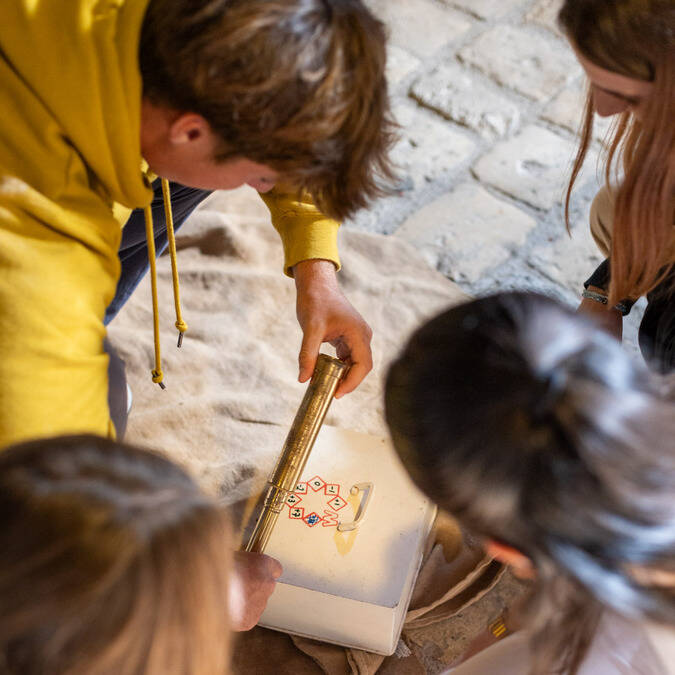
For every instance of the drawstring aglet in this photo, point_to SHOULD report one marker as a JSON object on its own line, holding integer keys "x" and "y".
{"x": 157, "y": 377}
{"x": 182, "y": 327}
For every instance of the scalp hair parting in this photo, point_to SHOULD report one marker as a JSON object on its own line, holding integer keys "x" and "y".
{"x": 535, "y": 429}
{"x": 635, "y": 38}
{"x": 297, "y": 85}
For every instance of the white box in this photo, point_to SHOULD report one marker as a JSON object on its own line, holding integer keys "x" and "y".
{"x": 350, "y": 588}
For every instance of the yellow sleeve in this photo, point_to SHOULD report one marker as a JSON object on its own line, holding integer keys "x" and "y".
{"x": 54, "y": 289}
{"x": 305, "y": 232}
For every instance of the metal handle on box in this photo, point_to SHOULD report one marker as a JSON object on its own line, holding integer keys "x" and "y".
{"x": 367, "y": 490}
{"x": 298, "y": 446}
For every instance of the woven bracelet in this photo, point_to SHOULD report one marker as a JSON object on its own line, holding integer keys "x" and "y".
{"x": 622, "y": 306}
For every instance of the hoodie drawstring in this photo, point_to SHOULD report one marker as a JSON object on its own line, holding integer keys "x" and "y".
{"x": 180, "y": 324}
{"x": 157, "y": 375}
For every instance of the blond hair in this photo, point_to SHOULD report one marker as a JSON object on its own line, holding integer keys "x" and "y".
{"x": 112, "y": 562}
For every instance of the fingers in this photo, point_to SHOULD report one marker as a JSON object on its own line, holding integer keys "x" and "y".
{"x": 361, "y": 358}
{"x": 309, "y": 351}
{"x": 275, "y": 567}
{"x": 252, "y": 582}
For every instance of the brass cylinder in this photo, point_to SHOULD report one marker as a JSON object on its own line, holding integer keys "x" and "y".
{"x": 297, "y": 447}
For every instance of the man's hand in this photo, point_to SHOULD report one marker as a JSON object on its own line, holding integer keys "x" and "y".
{"x": 325, "y": 315}
{"x": 608, "y": 318}
{"x": 253, "y": 579}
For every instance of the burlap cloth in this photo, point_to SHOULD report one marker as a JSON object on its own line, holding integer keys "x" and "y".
{"x": 232, "y": 391}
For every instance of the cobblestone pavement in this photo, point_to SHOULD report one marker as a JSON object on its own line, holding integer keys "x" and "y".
{"x": 489, "y": 97}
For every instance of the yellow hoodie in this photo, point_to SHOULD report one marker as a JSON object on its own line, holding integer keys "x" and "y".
{"x": 70, "y": 98}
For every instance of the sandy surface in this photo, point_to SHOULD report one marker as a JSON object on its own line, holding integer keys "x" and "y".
{"x": 235, "y": 377}
{"x": 232, "y": 388}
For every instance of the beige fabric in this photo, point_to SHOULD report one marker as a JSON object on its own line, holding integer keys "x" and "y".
{"x": 232, "y": 391}
{"x": 662, "y": 640}
{"x": 620, "y": 647}
{"x": 602, "y": 219}
{"x": 232, "y": 388}
{"x": 602, "y": 224}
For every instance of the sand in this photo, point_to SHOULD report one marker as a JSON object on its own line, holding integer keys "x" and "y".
{"x": 232, "y": 388}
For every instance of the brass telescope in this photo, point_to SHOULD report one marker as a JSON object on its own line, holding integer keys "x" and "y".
{"x": 299, "y": 443}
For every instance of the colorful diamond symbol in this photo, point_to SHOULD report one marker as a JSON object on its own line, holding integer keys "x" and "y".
{"x": 316, "y": 483}
{"x": 332, "y": 489}
{"x": 296, "y": 513}
{"x": 301, "y": 488}
{"x": 312, "y": 519}
{"x": 337, "y": 503}
{"x": 293, "y": 499}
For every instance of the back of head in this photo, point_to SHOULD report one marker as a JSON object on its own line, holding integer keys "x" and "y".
{"x": 111, "y": 562}
{"x": 535, "y": 429}
{"x": 297, "y": 85}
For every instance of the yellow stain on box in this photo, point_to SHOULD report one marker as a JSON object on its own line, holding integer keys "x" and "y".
{"x": 344, "y": 541}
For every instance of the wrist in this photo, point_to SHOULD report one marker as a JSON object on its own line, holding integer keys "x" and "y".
{"x": 313, "y": 273}
{"x": 599, "y": 296}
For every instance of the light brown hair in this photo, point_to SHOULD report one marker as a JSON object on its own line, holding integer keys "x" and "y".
{"x": 297, "y": 85}
{"x": 635, "y": 38}
{"x": 112, "y": 562}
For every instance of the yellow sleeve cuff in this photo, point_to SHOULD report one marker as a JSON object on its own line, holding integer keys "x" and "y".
{"x": 305, "y": 232}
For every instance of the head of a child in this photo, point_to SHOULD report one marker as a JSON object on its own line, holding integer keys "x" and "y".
{"x": 538, "y": 432}
{"x": 111, "y": 561}
{"x": 627, "y": 48}
{"x": 296, "y": 87}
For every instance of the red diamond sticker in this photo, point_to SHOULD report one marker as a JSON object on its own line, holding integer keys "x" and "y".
{"x": 312, "y": 519}
{"x": 337, "y": 503}
{"x": 296, "y": 513}
{"x": 332, "y": 489}
{"x": 293, "y": 499}
{"x": 316, "y": 483}
{"x": 301, "y": 488}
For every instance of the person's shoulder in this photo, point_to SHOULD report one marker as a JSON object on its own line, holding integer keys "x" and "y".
{"x": 662, "y": 640}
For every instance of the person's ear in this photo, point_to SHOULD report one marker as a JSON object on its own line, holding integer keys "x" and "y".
{"x": 520, "y": 564}
{"x": 189, "y": 128}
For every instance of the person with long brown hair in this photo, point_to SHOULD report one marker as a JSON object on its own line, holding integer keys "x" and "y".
{"x": 112, "y": 562}
{"x": 627, "y": 48}
{"x": 553, "y": 446}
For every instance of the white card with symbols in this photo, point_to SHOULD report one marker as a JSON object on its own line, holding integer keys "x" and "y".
{"x": 350, "y": 539}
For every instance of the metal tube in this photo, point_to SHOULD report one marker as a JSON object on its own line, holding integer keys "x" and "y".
{"x": 299, "y": 443}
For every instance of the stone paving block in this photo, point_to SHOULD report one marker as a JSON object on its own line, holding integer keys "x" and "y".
{"x": 399, "y": 64}
{"x": 467, "y": 232}
{"x": 420, "y": 26}
{"x": 545, "y": 13}
{"x": 568, "y": 261}
{"x": 522, "y": 58}
{"x": 567, "y": 110}
{"x": 458, "y": 95}
{"x": 428, "y": 146}
{"x": 486, "y": 9}
{"x": 532, "y": 166}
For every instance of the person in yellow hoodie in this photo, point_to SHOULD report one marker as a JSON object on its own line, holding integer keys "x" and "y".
{"x": 212, "y": 94}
